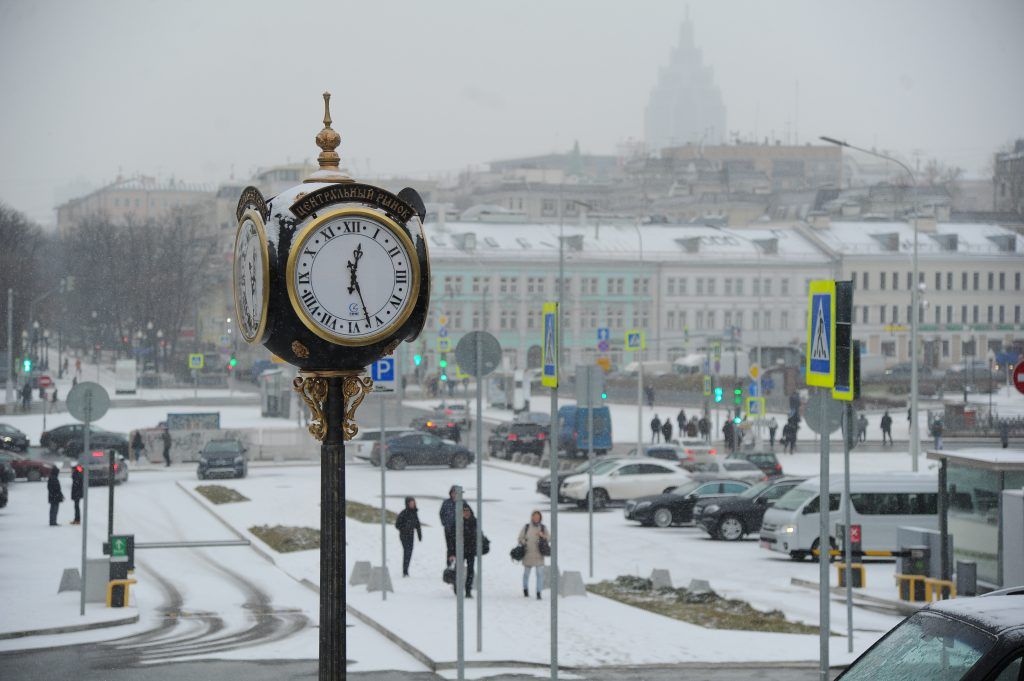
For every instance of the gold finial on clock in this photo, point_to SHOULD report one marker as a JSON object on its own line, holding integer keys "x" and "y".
{"x": 328, "y": 140}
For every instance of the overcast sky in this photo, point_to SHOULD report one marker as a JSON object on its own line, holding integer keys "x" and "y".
{"x": 199, "y": 90}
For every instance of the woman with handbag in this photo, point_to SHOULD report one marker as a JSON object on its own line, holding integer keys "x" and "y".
{"x": 534, "y": 539}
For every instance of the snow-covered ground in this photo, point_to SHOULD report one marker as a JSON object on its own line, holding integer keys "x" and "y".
{"x": 593, "y": 630}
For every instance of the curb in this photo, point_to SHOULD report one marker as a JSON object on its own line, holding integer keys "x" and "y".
{"x": 263, "y": 554}
{"x": 69, "y": 629}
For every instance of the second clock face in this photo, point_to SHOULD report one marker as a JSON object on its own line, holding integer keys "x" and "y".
{"x": 351, "y": 276}
{"x": 250, "y": 277}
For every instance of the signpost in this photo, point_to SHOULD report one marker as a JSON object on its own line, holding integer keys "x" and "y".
{"x": 549, "y": 378}
{"x": 87, "y": 402}
{"x": 383, "y": 374}
{"x": 635, "y": 342}
{"x": 195, "y": 363}
{"x": 589, "y": 387}
{"x": 478, "y": 354}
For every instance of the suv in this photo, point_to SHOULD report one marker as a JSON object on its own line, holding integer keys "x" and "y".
{"x": 766, "y": 461}
{"x": 222, "y": 457}
{"x": 509, "y": 439}
{"x": 67, "y": 440}
{"x": 420, "y": 449}
{"x": 667, "y": 452}
{"x": 730, "y": 518}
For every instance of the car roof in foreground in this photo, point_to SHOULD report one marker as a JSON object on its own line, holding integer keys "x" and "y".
{"x": 997, "y": 612}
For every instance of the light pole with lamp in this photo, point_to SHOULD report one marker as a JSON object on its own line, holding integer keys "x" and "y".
{"x": 639, "y": 359}
{"x": 45, "y": 361}
{"x": 915, "y": 432}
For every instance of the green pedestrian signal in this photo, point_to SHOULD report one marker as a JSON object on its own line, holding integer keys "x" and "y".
{"x": 417, "y": 359}
{"x": 604, "y": 395}
{"x": 736, "y": 420}
{"x": 26, "y": 365}
{"x": 233, "y": 362}
{"x": 718, "y": 394}
{"x": 737, "y": 396}
{"x": 443, "y": 363}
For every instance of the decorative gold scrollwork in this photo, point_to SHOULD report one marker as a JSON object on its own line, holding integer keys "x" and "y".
{"x": 354, "y": 388}
{"x": 313, "y": 390}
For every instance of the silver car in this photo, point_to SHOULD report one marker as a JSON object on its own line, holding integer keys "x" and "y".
{"x": 99, "y": 468}
{"x": 725, "y": 468}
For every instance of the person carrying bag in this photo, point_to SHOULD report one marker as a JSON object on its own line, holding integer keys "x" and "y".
{"x": 533, "y": 547}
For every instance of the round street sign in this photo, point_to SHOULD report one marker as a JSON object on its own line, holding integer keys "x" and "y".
{"x": 45, "y": 382}
{"x": 466, "y": 352}
{"x": 755, "y": 369}
{"x": 812, "y": 413}
{"x": 88, "y": 401}
{"x": 1018, "y": 376}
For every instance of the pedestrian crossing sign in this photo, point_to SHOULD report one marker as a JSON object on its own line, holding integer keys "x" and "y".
{"x": 195, "y": 360}
{"x": 821, "y": 334}
{"x": 755, "y": 407}
{"x": 549, "y": 350}
{"x": 444, "y": 344}
{"x": 707, "y": 386}
{"x": 635, "y": 340}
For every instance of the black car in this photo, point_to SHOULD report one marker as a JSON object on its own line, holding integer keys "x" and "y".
{"x": 544, "y": 483}
{"x": 68, "y": 440}
{"x": 223, "y": 458}
{"x": 766, "y": 461}
{"x": 512, "y": 438}
{"x": 963, "y": 639}
{"x": 12, "y": 439}
{"x": 732, "y": 517}
{"x": 422, "y": 449}
{"x": 676, "y": 506}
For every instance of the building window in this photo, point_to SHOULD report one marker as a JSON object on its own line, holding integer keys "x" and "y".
{"x": 977, "y": 281}
{"x": 864, "y": 314}
{"x": 881, "y": 314}
{"x": 1016, "y": 314}
{"x": 767, "y": 319}
{"x": 548, "y": 207}
{"x": 991, "y": 316}
{"x": 963, "y": 314}
{"x": 503, "y": 287}
{"x": 784, "y": 320}
{"x": 991, "y": 281}
{"x": 1016, "y": 281}
{"x": 476, "y": 318}
{"x": 785, "y": 286}
{"x": 670, "y": 322}
{"x": 711, "y": 319}
{"x": 700, "y": 319}
{"x": 711, "y": 288}
{"x": 757, "y": 287}
{"x": 938, "y": 314}
{"x": 864, "y": 281}
{"x": 963, "y": 281}
{"x": 910, "y": 280}
{"x": 889, "y": 348}
{"x": 895, "y": 281}
{"x": 682, "y": 286}
{"x": 974, "y": 315}
{"x": 896, "y": 315}
{"x": 739, "y": 319}
{"x": 767, "y": 287}
{"x": 938, "y": 281}
{"x": 1002, "y": 281}
{"x": 670, "y": 288}
{"x": 853, "y": 280}
{"x": 945, "y": 348}
{"x": 479, "y": 284}
{"x": 949, "y": 281}
{"x": 739, "y": 287}
{"x": 757, "y": 320}
{"x": 457, "y": 320}
{"x": 727, "y": 290}
{"x": 1002, "y": 314}
{"x": 728, "y": 319}
{"x": 881, "y": 280}
{"x": 453, "y": 285}
{"x": 949, "y": 314}
{"x": 700, "y": 286}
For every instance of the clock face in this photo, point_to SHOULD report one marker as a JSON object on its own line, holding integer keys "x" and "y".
{"x": 352, "y": 276}
{"x": 251, "y": 273}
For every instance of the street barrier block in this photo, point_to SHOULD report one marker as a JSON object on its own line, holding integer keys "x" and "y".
{"x": 571, "y": 584}
{"x": 517, "y": 457}
{"x": 360, "y": 573}
{"x": 661, "y": 579}
{"x": 380, "y": 580}
{"x": 70, "y": 580}
{"x": 699, "y": 586}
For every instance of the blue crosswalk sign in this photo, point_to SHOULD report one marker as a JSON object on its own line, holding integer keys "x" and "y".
{"x": 383, "y": 373}
{"x": 603, "y": 333}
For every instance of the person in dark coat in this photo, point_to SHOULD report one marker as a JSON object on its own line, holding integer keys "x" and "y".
{"x": 655, "y": 429}
{"x": 468, "y": 546}
{"x": 137, "y": 445}
{"x": 408, "y": 524}
{"x": 704, "y": 426}
{"x": 886, "y": 427}
{"x": 666, "y": 430}
{"x": 55, "y": 495}
{"x": 649, "y": 392}
{"x": 681, "y": 421}
{"x": 1004, "y": 434}
{"x": 26, "y": 397}
{"x": 77, "y": 479}
{"x": 728, "y": 429}
{"x": 166, "y": 438}
{"x": 448, "y": 522}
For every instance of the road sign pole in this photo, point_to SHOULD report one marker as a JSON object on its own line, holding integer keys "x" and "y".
{"x": 847, "y": 543}
{"x": 590, "y": 458}
{"x": 383, "y": 498}
{"x": 478, "y": 351}
{"x": 85, "y": 498}
{"x": 823, "y": 543}
{"x": 639, "y": 403}
{"x": 110, "y": 494}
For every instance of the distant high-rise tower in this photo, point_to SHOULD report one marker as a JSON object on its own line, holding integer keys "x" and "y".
{"x": 686, "y": 105}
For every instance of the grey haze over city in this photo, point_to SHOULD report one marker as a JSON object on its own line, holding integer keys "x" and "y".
{"x": 203, "y": 92}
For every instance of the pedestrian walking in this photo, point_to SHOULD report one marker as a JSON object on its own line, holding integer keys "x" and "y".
{"x": 666, "y": 430}
{"x": 773, "y": 426}
{"x": 681, "y": 421}
{"x": 937, "y": 433}
{"x": 408, "y": 524}
{"x": 54, "y": 494}
{"x": 53, "y": 397}
{"x": 655, "y": 429}
{"x": 26, "y": 397}
{"x": 535, "y": 539}
{"x": 448, "y": 522}
{"x": 468, "y": 546}
{"x": 64, "y": 368}
{"x": 704, "y": 426}
{"x": 137, "y": 446}
{"x": 78, "y": 366}
{"x": 794, "y": 427}
{"x": 728, "y": 430}
{"x": 165, "y": 437}
{"x": 886, "y": 427}
{"x": 862, "y": 428}
{"x": 77, "y": 479}
{"x": 692, "y": 428}
{"x": 74, "y": 381}
{"x": 1004, "y": 434}
{"x": 649, "y": 393}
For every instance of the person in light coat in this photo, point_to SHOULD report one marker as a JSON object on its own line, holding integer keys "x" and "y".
{"x": 530, "y": 537}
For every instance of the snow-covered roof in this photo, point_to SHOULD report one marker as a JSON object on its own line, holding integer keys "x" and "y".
{"x": 897, "y": 238}
{"x": 655, "y": 242}
{"x": 989, "y": 458}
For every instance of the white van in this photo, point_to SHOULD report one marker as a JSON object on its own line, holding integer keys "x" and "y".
{"x": 880, "y": 504}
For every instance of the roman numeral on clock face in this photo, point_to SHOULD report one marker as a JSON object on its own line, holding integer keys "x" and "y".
{"x": 393, "y": 251}
{"x": 396, "y": 302}
{"x": 401, "y": 276}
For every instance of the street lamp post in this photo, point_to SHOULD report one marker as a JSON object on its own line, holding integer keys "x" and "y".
{"x": 915, "y": 432}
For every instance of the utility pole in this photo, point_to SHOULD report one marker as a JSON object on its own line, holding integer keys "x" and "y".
{"x": 9, "y": 369}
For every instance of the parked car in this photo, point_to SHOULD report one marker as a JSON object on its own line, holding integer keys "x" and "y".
{"x": 963, "y": 639}
{"x": 766, "y": 461}
{"x": 730, "y": 518}
{"x": 3, "y": 493}
{"x": 676, "y": 507}
{"x": 694, "y": 447}
{"x": 624, "y": 479}
{"x": 67, "y": 440}
{"x": 544, "y": 483}
{"x": 422, "y": 449}
{"x": 223, "y": 458}
{"x": 99, "y": 468}
{"x": 12, "y": 439}
{"x": 513, "y": 438}
{"x": 448, "y": 430}
{"x": 454, "y": 411}
{"x": 24, "y": 467}
{"x": 881, "y": 503}
{"x": 728, "y": 468}
{"x": 362, "y": 444}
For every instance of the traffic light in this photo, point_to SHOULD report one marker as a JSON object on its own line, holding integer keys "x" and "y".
{"x": 26, "y": 365}
{"x": 736, "y": 419}
{"x": 233, "y": 362}
{"x": 604, "y": 394}
{"x": 737, "y": 396}
{"x": 417, "y": 359}
{"x": 443, "y": 363}
{"x": 718, "y": 394}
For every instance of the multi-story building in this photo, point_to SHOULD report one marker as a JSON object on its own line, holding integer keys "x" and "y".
{"x": 139, "y": 198}
{"x": 970, "y": 276}
{"x": 1009, "y": 180}
{"x": 781, "y": 167}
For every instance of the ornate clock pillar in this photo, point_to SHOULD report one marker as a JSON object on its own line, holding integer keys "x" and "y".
{"x": 330, "y": 276}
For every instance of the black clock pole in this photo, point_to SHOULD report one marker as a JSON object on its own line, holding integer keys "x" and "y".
{"x": 332, "y": 536}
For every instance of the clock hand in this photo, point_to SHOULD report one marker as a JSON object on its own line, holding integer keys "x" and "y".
{"x": 352, "y": 267}
{"x": 360, "y": 292}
